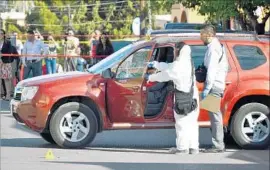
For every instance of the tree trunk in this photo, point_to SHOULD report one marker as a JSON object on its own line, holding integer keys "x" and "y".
{"x": 242, "y": 22}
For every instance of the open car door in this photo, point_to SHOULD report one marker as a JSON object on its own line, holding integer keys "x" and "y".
{"x": 158, "y": 97}
{"x": 124, "y": 99}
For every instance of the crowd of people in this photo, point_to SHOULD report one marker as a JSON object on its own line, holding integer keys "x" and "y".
{"x": 39, "y": 55}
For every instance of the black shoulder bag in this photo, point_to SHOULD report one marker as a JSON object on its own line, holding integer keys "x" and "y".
{"x": 184, "y": 102}
{"x": 201, "y": 71}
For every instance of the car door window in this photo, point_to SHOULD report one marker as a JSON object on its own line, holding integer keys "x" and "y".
{"x": 134, "y": 65}
{"x": 249, "y": 57}
{"x": 198, "y": 53}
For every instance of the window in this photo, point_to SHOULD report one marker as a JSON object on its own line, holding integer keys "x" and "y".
{"x": 163, "y": 54}
{"x": 249, "y": 57}
{"x": 197, "y": 54}
{"x": 134, "y": 65}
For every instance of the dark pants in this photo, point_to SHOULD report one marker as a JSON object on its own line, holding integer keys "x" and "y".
{"x": 70, "y": 64}
{"x": 217, "y": 124}
{"x": 35, "y": 67}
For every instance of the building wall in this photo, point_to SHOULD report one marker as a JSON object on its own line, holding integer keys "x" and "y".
{"x": 181, "y": 14}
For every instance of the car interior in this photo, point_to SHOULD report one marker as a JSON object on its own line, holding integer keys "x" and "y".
{"x": 158, "y": 93}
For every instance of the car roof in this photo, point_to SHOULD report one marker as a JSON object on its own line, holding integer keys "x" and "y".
{"x": 177, "y": 37}
{"x": 187, "y": 26}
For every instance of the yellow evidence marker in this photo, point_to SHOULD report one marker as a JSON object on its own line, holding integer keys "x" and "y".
{"x": 49, "y": 155}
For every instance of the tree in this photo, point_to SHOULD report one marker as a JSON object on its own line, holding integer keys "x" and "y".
{"x": 48, "y": 20}
{"x": 217, "y": 10}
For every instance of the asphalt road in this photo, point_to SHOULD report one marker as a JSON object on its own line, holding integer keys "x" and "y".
{"x": 117, "y": 150}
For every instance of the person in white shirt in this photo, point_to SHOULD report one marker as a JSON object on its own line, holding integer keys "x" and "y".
{"x": 31, "y": 62}
{"x": 186, "y": 99}
{"x": 216, "y": 64}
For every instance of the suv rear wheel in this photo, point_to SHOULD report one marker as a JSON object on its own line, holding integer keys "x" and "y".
{"x": 73, "y": 125}
{"x": 250, "y": 126}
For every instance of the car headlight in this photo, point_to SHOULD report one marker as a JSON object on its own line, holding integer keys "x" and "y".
{"x": 29, "y": 92}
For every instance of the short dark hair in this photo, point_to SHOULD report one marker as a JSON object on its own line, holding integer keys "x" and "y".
{"x": 3, "y": 31}
{"x": 180, "y": 45}
{"x": 31, "y": 32}
{"x": 209, "y": 29}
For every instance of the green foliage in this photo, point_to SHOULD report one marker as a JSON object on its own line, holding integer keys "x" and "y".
{"x": 160, "y": 7}
{"x": 46, "y": 18}
{"x": 13, "y": 28}
{"x": 218, "y": 10}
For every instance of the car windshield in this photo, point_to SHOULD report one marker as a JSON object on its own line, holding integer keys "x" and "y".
{"x": 112, "y": 59}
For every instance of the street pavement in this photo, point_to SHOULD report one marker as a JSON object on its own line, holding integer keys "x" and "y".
{"x": 117, "y": 150}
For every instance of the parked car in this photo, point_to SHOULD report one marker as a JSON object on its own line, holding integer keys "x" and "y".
{"x": 180, "y": 25}
{"x": 69, "y": 109}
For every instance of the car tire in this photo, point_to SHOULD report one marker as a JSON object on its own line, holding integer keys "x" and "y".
{"x": 47, "y": 137}
{"x": 89, "y": 122}
{"x": 241, "y": 120}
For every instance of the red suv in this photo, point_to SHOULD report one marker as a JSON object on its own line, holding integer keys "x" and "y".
{"x": 69, "y": 109}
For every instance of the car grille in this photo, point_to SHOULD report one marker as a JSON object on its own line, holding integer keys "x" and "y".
{"x": 18, "y": 96}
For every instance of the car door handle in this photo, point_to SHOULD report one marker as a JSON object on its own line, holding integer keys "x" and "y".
{"x": 136, "y": 88}
{"x": 228, "y": 82}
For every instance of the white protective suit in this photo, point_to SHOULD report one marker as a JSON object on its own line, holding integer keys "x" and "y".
{"x": 187, "y": 128}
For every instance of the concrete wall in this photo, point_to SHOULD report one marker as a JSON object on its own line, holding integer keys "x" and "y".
{"x": 181, "y": 14}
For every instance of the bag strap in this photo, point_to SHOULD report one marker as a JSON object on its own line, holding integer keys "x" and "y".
{"x": 192, "y": 75}
{"x": 221, "y": 54}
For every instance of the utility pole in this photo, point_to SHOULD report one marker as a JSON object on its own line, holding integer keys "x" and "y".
{"x": 69, "y": 17}
{"x": 150, "y": 14}
{"x": 142, "y": 16}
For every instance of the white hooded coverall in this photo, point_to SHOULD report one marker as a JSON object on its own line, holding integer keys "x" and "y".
{"x": 187, "y": 128}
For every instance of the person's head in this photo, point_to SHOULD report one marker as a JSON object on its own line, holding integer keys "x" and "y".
{"x": 208, "y": 32}
{"x": 50, "y": 38}
{"x": 15, "y": 34}
{"x": 70, "y": 33}
{"x": 97, "y": 34}
{"x": 2, "y": 35}
{"x": 184, "y": 51}
{"x": 178, "y": 47}
{"x": 104, "y": 39}
{"x": 31, "y": 35}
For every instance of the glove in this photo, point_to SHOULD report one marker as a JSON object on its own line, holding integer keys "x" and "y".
{"x": 152, "y": 64}
{"x": 146, "y": 76}
{"x": 204, "y": 94}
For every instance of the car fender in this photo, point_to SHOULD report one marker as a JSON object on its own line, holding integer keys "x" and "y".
{"x": 245, "y": 88}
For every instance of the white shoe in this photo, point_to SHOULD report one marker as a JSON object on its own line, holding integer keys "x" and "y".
{"x": 176, "y": 151}
{"x": 193, "y": 151}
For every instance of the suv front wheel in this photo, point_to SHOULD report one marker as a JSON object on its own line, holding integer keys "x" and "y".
{"x": 73, "y": 125}
{"x": 250, "y": 126}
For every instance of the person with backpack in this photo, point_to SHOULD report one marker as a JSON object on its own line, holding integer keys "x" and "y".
{"x": 186, "y": 98}
{"x": 215, "y": 68}
{"x": 6, "y": 63}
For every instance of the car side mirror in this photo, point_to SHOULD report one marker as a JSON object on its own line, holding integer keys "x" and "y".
{"x": 107, "y": 73}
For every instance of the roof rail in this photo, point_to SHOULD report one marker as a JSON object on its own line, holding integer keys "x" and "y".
{"x": 222, "y": 36}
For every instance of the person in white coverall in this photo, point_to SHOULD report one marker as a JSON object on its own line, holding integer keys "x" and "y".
{"x": 180, "y": 72}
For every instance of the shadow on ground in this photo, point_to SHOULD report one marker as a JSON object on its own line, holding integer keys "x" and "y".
{"x": 165, "y": 166}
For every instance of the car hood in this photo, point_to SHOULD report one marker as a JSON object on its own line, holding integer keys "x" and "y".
{"x": 35, "y": 81}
